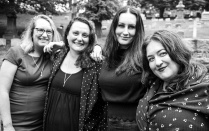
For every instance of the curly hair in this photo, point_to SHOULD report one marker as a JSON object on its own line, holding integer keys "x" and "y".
{"x": 179, "y": 52}
{"x": 27, "y": 37}
{"x": 84, "y": 60}
{"x": 131, "y": 64}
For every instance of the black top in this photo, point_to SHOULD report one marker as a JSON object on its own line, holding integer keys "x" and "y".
{"x": 64, "y": 102}
{"x": 122, "y": 92}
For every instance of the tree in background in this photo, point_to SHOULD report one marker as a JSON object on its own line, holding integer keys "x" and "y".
{"x": 207, "y": 5}
{"x": 99, "y": 10}
{"x": 32, "y": 6}
{"x": 132, "y": 3}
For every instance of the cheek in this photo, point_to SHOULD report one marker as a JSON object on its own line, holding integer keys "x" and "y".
{"x": 69, "y": 38}
{"x": 118, "y": 31}
{"x": 86, "y": 40}
{"x": 176, "y": 68}
{"x": 152, "y": 66}
{"x": 51, "y": 38}
{"x": 132, "y": 33}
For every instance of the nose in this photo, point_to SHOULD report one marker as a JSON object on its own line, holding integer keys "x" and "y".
{"x": 44, "y": 34}
{"x": 158, "y": 62}
{"x": 125, "y": 31}
{"x": 79, "y": 38}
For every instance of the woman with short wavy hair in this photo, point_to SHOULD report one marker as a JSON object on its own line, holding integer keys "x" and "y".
{"x": 72, "y": 102}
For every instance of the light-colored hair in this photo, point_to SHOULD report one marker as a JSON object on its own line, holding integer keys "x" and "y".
{"x": 27, "y": 37}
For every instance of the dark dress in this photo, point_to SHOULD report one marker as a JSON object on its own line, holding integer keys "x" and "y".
{"x": 185, "y": 110}
{"x": 93, "y": 110}
{"x": 64, "y": 102}
{"x": 27, "y": 93}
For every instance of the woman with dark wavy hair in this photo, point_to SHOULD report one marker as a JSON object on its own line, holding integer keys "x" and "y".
{"x": 72, "y": 102}
{"x": 178, "y": 86}
{"x": 120, "y": 76}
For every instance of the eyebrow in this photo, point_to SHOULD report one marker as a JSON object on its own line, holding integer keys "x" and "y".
{"x": 157, "y": 52}
{"x": 128, "y": 24}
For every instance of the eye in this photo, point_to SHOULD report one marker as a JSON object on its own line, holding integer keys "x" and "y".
{"x": 150, "y": 59}
{"x": 163, "y": 54}
{"x": 40, "y": 29}
{"x": 76, "y": 33}
{"x": 49, "y": 32}
{"x": 131, "y": 27}
{"x": 121, "y": 25}
{"x": 85, "y": 35}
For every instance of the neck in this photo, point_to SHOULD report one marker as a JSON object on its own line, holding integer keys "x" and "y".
{"x": 68, "y": 65}
{"x": 37, "y": 52}
{"x": 164, "y": 85}
{"x": 73, "y": 55}
{"x": 124, "y": 46}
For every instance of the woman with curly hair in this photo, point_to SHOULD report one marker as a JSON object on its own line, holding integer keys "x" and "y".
{"x": 177, "y": 86}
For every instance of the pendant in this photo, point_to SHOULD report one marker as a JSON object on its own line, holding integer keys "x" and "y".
{"x": 65, "y": 79}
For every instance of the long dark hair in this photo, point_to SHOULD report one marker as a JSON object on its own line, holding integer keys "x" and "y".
{"x": 84, "y": 60}
{"x": 178, "y": 52}
{"x": 131, "y": 64}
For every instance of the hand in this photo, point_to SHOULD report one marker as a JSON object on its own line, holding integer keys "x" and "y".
{"x": 53, "y": 46}
{"x": 8, "y": 128}
{"x": 97, "y": 53}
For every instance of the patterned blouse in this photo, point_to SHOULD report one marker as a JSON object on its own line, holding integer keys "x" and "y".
{"x": 185, "y": 110}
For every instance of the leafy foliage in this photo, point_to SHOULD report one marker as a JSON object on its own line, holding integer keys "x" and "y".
{"x": 98, "y": 10}
{"x": 189, "y": 4}
{"x": 22, "y": 6}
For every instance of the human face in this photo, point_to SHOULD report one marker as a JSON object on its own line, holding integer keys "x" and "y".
{"x": 126, "y": 28}
{"x": 78, "y": 36}
{"x": 160, "y": 62}
{"x": 42, "y": 39}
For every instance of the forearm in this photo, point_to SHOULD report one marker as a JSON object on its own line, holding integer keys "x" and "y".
{"x": 5, "y": 109}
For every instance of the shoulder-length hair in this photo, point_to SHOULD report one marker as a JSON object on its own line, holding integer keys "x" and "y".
{"x": 131, "y": 64}
{"x": 27, "y": 37}
{"x": 179, "y": 52}
{"x": 84, "y": 60}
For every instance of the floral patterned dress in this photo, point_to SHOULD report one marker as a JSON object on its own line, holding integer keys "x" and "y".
{"x": 185, "y": 110}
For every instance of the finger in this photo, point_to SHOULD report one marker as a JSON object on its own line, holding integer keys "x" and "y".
{"x": 93, "y": 56}
{"x": 45, "y": 49}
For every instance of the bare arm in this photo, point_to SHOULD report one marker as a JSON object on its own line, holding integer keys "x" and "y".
{"x": 54, "y": 46}
{"x": 7, "y": 73}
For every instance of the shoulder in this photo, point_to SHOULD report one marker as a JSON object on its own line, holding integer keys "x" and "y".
{"x": 59, "y": 55}
{"x": 15, "y": 55}
{"x": 16, "y": 50}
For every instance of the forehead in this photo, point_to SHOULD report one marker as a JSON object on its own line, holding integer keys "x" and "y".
{"x": 80, "y": 26}
{"x": 153, "y": 47}
{"x": 42, "y": 23}
{"x": 127, "y": 18}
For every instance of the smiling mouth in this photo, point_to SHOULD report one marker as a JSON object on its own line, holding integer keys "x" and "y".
{"x": 79, "y": 44}
{"x": 43, "y": 39}
{"x": 161, "y": 69}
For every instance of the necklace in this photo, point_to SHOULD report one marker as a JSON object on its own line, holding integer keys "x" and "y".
{"x": 65, "y": 79}
{"x": 37, "y": 66}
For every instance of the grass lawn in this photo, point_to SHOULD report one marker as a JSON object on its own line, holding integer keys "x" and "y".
{"x": 150, "y": 27}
